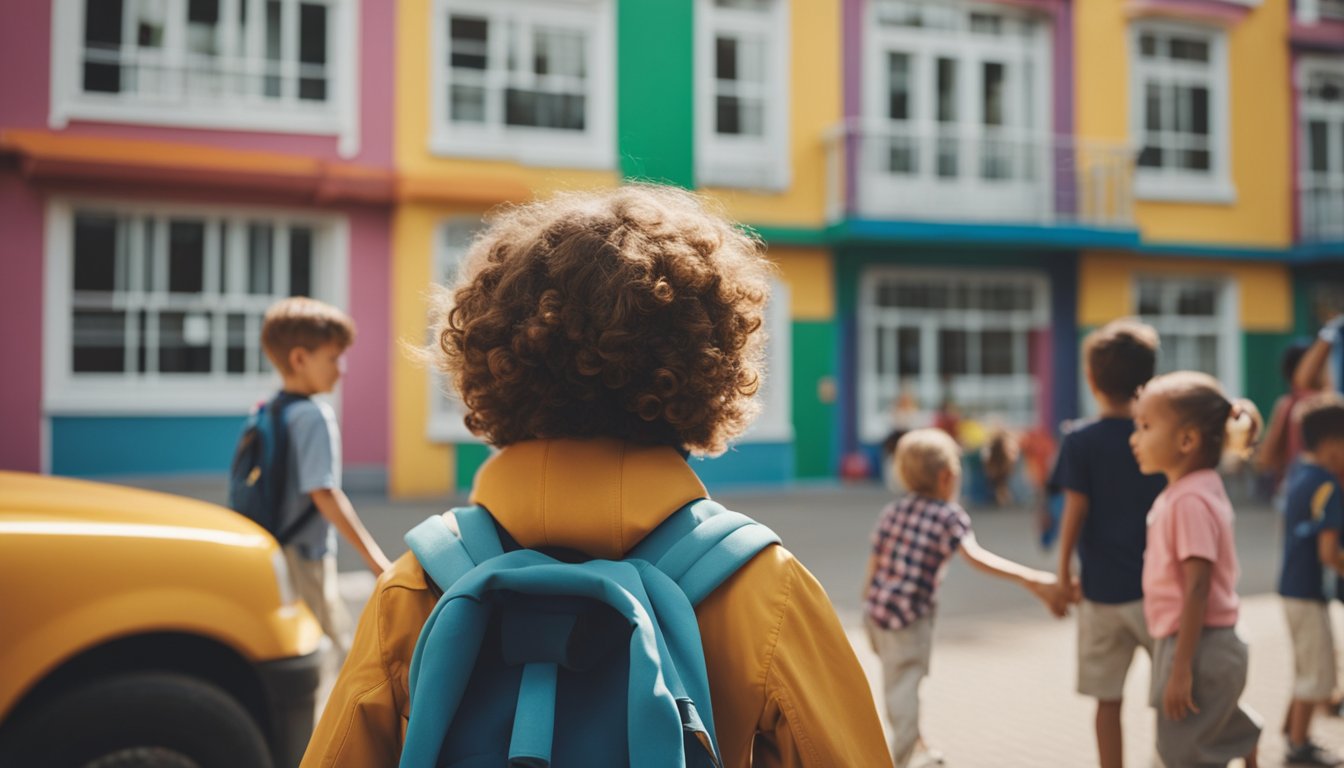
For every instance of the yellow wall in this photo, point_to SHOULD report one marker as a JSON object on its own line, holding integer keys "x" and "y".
{"x": 807, "y": 271}
{"x": 1259, "y": 113}
{"x": 814, "y": 107}
{"x": 1106, "y": 287}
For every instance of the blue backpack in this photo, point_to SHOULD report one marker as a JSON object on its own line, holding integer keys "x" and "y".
{"x": 260, "y": 467}
{"x": 532, "y": 659}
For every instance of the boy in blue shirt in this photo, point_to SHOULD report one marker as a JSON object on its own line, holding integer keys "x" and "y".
{"x": 1106, "y": 503}
{"x": 1312, "y": 564}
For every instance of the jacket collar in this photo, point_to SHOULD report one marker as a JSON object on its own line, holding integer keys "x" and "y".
{"x": 599, "y": 496}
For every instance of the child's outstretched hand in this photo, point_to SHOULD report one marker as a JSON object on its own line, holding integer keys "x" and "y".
{"x": 1178, "y": 699}
{"x": 1045, "y": 587}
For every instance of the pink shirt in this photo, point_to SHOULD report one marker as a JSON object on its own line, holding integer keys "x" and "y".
{"x": 1191, "y": 518}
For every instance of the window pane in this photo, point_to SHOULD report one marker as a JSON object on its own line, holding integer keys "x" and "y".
{"x": 1147, "y": 45}
{"x": 1152, "y": 106}
{"x": 725, "y": 58}
{"x": 313, "y": 52}
{"x": 992, "y": 96}
{"x": 1196, "y": 160}
{"x": 908, "y": 352}
{"x": 186, "y": 256}
{"x": 559, "y": 52}
{"x": 951, "y": 352}
{"x": 996, "y": 353}
{"x": 735, "y": 115}
{"x": 1195, "y": 300}
{"x": 884, "y": 335}
{"x": 562, "y": 111}
{"x": 95, "y": 252}
{"x": 202, "y": 21}
{"x": 1189, "y": 49}
{"x": 184, "y": 342}
{"x": 1199, "y": 111}
{"x": 466, "y": 104}
{"x": 102, "y": 43}
{"x": 271, "y": 85}
{"x": 947, "y": 90}
{"x": 259, "y": 269}
{"x": 300, "y": 261}
{"x": 235, "y": 357}
{"x": 99, "y": 342}
{"x": 898, "y": 86}
{"x": 1150, "y": 298}
{"x": 1150, "y": 157}
{"x": 468, "y": 48}
{"x": 1318, "y": 149}
{"x": 1206, "y": 354}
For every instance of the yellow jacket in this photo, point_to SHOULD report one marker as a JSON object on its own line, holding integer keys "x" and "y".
{"x": 787, "y": 688}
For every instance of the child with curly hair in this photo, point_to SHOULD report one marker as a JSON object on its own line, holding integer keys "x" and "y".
{"x": 597, "y": 339}
{"x": 1183, "y": 424}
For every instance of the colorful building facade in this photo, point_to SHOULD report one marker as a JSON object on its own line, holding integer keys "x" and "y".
{"x": 954, "y": 193}
{"x": 167, "y": 170}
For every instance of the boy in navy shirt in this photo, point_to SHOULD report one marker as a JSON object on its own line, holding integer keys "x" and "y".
{"x": 1106, "y": 503}
{"x": 1312, "y": 562}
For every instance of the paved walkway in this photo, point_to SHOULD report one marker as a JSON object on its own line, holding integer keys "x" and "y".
{"x": 1001, "y": 690}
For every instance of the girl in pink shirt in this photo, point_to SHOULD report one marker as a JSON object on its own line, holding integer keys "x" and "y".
{"x": 1183, "y": 425}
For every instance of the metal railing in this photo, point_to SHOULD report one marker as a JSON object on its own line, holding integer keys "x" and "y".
{"x": 995, "y": 176}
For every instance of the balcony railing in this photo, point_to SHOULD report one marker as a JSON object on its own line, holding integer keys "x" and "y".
{"x": 993, "y": 177}
{"x": 1321, "y": 207}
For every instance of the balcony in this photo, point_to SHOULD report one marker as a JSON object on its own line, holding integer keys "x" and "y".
{"x": 888, "y": 173}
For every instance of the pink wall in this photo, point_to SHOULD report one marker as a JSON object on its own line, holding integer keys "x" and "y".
{"x": 25, "y": 41}
{"x": 365, "y": 406}
{"x": 21, "y": 320}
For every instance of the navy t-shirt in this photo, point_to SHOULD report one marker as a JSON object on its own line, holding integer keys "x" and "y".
{"x": 1313, "y": 505}
{"x": 1096, "y": 461}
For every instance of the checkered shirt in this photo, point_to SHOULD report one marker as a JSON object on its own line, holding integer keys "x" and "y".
{"x": 913, "y": 540}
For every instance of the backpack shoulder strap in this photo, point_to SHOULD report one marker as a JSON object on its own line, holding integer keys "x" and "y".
{"x": 447, "y": 556}
{"x": 700, "y": 545}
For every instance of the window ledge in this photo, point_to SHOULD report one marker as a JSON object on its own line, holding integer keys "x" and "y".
{"x": 1161, "y": 190}
{"x": 543, "y": 152}
{"x": 766, "y": 178}
{"x": 324, "y": 121}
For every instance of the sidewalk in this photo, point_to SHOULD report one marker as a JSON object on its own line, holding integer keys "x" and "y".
{"x": 1001, "y": 689}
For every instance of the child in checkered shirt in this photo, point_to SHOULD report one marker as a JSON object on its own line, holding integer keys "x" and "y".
{"x": 915, "y": 538}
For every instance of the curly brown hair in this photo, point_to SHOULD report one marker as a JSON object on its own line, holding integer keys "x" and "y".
{"x": 633, "y": 313}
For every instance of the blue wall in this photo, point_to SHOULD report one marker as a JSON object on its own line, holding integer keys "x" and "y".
{"x": 747, "y": 464}
{"x": 140, "y": 445}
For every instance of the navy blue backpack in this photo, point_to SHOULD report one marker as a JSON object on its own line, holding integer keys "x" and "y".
{"x": 260, "y": 467}
{"x": 538, "y": 658}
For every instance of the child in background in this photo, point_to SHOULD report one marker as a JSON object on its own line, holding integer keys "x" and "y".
{"x": 1106, "y": 503}
{"x": 915, "y": 538}
{"x": 1183, "y": 424}
{"x": 1313, "y": 517}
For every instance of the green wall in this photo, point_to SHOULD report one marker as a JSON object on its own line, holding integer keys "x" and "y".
{"x": 655, "y": 90}
{"x": 469, "y": 458}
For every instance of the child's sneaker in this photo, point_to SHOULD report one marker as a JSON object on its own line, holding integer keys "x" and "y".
{"x": 926, "y": 758}
{"x": 1310, "y": 754}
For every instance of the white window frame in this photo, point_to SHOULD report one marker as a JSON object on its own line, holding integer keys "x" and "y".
{"x": 1333, "y": 178}
{"x": 337, "y": 116}
{"x": 873, "y": 419}
{"x": 748, "y": 162}
{"x": 1313, "y": 11}
{"x": 1224, "y": 326}
{"x": 446, "y": 412}
{"x": 774, "y": 424}
{"x": 592, "y": 148}
{"x": 1172, "y": 184}
{"x": 966, "y": 195}
{"x": 67, "y": 393}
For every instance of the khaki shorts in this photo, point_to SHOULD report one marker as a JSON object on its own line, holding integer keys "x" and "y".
{"x": 905, "y": 657}
{"x": 1223, "y": 730}
{"x": 1108, "y": 635}
{"x": 1313, "y": 648}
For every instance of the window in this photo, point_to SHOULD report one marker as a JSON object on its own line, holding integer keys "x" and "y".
{"x": 524, "y": 80}
{"x": 958, "y": 107}
{"x": 1196, "y": 321}
{"x": 742, "y": 111}
{"x": 153, "y": 309}
{"x": 446, "y": 411}
{"x": 1179, "y": 108}
{"x": 935, "y": 335}
{"x": 247, "y": 64}
{"x": 1321, "y": 157}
